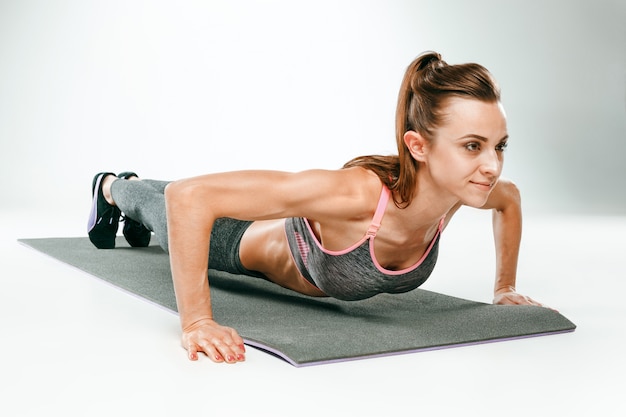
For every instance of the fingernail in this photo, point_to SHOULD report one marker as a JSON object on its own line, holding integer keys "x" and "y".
{"x": 230, "y": 358}
{"x": 240, "y": 357}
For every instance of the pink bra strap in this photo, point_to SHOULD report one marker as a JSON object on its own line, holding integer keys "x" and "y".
{"x": 380, "y": 211}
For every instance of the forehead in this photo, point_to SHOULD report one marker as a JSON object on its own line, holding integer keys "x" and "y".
{"x": 462, "y": 116}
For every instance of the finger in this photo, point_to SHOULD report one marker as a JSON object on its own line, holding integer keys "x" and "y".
{"x": 230, "y": 346}
{"x": 239, "y": 345}
{"x": 537, "y": 303}
{"x": 530, "y": 301}
{"x": 533, "y": 302}
{"x": 212, "y": 352}
{"x": 520, "y": 299}
{"x": 192, "y": 352}
{"x": 237, "y": 340}
{"x": 230, "y": 352}
{"x": 226, "y": 350}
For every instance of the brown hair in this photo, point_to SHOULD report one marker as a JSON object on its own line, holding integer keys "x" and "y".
{"x": 428, "y": 82}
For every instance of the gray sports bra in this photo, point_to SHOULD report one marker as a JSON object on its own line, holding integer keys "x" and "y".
{"x": 354, "y": 273}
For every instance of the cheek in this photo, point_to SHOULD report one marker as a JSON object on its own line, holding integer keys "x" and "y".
{"x": 453, "y": 164}
{"x": 449, "y": 170}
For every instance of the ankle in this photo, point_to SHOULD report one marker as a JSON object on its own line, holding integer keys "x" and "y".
{"x": 106, "y": 188}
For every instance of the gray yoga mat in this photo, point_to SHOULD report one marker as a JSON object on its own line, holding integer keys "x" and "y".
{"x": 305, "y": 330}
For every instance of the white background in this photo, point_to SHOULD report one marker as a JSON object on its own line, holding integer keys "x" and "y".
{"x": 174, "y": 89}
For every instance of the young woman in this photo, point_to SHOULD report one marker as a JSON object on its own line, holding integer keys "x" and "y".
{"x": 371, "y": 227}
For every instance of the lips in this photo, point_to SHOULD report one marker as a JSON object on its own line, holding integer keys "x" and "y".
{"x": 486, "y": 185}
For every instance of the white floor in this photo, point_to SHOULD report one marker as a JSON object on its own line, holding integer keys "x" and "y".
{"x": 72, "y": 345}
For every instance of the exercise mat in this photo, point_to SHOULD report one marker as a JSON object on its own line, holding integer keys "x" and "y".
{"x": 306, "y": 330}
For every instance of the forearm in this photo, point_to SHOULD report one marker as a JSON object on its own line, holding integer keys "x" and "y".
{"x": 189, "y": 230}
{"x": 507, "y": 235}
{"x": 507, "y": 230}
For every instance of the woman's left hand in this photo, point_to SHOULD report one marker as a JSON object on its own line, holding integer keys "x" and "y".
{"x": 514, "y": 298}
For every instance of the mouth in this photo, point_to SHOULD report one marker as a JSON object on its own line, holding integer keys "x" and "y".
{"x": 483, "y": 185}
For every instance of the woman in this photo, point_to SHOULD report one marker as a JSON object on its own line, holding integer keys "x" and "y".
{"x": 371, "y": 227}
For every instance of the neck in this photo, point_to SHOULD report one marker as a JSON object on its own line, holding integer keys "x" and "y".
{"x": 429, "y": 202}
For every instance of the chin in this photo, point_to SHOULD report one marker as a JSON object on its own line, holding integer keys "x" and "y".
{"x": 475, "y": 197}
{"x": 475, "y": 201}
{"x": 474, "y": 205}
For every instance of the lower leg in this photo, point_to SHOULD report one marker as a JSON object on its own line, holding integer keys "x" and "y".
{"x": 140, "y": 201}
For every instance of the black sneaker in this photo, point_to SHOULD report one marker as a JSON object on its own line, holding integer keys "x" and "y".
{"x": 104, "y": 218}
{"x": 136, "y": 234}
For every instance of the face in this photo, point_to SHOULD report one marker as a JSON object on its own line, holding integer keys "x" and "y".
{"x": 465, "y": 156}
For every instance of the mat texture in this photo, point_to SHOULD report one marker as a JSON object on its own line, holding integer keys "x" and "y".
{"x": 308, "y": 331}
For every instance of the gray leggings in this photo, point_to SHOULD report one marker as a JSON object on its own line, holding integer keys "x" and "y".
{"x": 144, "y": 202}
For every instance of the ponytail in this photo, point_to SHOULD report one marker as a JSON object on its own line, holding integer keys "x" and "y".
{"x": 414, "y": 112}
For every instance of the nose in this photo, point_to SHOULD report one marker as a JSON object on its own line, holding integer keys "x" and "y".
{"x": 491, "y": 163}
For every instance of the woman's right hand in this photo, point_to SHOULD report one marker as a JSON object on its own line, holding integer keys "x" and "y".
{"x": 219, "y": 343}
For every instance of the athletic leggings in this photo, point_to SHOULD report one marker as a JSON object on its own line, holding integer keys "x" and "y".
{"x": 144, "y": 202}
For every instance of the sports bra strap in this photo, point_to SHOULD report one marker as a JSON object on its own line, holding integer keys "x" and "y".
{"x": 380, "y": 211}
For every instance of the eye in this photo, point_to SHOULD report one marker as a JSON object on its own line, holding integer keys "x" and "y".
{"x": 472, "y": 146}
{"x": 501, "y": 147}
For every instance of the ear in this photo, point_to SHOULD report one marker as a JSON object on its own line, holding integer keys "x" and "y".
{"x": 417, "y": 145}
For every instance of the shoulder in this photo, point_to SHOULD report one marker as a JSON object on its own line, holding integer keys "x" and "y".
{"x": 345, "y": 193}
{"x": 346, "y": 182}
{"x": 504, "y": 195}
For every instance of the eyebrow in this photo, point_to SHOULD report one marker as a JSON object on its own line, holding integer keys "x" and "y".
{"x": 481, "y": 138}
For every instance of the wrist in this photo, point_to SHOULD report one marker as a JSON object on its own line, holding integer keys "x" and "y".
{"x": 191, "y": 325}
{"x": 504, "y": 289}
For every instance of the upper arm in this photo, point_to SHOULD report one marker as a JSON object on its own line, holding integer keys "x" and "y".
{"x": 262, "y": 195}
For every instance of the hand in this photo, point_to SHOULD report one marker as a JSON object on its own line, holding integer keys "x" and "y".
{"x": 218, "y": 342}
{"x": 514, "y": 298}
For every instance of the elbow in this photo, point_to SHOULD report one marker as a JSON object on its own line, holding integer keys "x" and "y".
{"x": 173, "y": 193}
{"x": 190, "y": 198}
{"x": 179, "y": 196}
